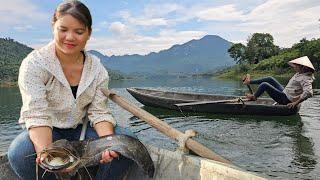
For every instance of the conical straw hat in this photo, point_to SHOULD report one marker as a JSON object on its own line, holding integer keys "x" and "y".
{"x": 304, "y": 61}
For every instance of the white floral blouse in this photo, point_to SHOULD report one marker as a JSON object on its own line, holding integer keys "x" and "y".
{"x": 47, "y": 97}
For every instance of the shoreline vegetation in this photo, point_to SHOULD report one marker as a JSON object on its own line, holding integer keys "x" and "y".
{"x": 11, "y": 55}
{"x": 8, "y": 84}
{"x": 260, "y": 57}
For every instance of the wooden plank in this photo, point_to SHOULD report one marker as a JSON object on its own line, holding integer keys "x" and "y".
{"x": 211, "y": 102}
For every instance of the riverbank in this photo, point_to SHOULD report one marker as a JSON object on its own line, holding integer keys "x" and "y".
{"x": 8, "y": 84}
{"x": 237, "y": 72}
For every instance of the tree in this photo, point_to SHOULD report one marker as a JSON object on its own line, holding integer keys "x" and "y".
{"x": 237, "y": 52}
{"x": 11, "y": 55}
{"x": 259, "y": 47}
{"x": 311, "y": 49}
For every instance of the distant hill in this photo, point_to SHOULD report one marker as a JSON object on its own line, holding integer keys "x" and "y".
{"x": 196, "y": 56}
{"x": 97, "y": 53}
{"x": 11, "y": 55}
{"x": 114, "y": 74}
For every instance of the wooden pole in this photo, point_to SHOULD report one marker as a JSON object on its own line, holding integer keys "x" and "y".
{"x": 250, "y": 89}
{"x": 163, "y": 127}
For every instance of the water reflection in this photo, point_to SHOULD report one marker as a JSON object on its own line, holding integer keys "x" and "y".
{"x": 303, "y": 149}
{"x": 9, "y": 113}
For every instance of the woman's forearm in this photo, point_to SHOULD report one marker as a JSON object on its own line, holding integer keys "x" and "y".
{"x": 103, "y": 128}
{"x": 41, "y": 137}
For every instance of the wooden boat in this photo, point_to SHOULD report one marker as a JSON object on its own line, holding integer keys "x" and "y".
{"x": 209, "y": 103}
{"x": 169, "y": 165}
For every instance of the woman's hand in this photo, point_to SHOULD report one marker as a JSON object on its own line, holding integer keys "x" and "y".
{"x": 292, "y": 105}
{"x": 41, "y": 137}
{"x": 246, "y": 79}
{"x": 40, "y": 157}
{"x": 107, "y": 156}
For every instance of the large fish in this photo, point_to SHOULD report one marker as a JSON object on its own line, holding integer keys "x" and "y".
{"x": 76, "y": 154}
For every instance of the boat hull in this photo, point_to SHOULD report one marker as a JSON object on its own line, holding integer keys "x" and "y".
{"x": 169, "y": 99}
{"x": 169, "y": 165}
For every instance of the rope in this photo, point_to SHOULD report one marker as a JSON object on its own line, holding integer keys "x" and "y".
{"x": 182, "y": 139}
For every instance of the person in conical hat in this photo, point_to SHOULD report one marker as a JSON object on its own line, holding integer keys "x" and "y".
{"x": 304, "y": 62}
{"x": 298, "y": 89}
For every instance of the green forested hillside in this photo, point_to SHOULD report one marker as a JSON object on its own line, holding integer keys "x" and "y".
{"x": 275, "y": 65}
{"x": 11, "y": 55}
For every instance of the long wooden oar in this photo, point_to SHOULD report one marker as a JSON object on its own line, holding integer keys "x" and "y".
{"x": 212, "y": 102}
{"x": 250, "y": 89}
{"x": 163, "y": 127}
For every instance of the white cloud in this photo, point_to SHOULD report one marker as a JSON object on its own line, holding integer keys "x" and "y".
{"x": 160, "y": 10}
{"x": 121, "y": 30}
{"x": 220, "y": 13}
{"x": 24, "y": 28}
{"x": 19, "y": 13}
{"x": 142, "y": 20}
{"x": 154, "y": 15}
{"x": 40, "y": 43}
{"x": 148, "y": 22}
{"x": 138, "y": 44}
{"x": 96, "y": 29}
{"x": 125, "y": 14}
{"x": 154, "y": 27}
{"x": 117, "y": 27}
{"x": 287, "y": 20}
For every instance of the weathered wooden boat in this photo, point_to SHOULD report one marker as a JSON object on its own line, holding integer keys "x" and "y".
{"x": 209, "y": 103}
{"x": 169, "y": 165}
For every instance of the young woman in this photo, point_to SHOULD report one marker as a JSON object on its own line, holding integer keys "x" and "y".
{"x": 60, "y": 85}
{"x": 298, "y": 89}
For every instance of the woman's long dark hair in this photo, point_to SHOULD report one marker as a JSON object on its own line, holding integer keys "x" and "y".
{"x": 76, "y": 9}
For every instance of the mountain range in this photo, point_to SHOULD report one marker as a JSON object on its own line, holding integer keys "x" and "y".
{"x": 196, "y": 56}
{"x": 209, "y": 53}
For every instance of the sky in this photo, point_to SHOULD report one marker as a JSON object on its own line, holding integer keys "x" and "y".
{"x": 139, "y": 26}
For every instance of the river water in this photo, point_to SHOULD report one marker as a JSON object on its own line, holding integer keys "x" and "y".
{"x": 274, "y": 147}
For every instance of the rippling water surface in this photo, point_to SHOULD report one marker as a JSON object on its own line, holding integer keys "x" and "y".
{"x": 275, "y": 147}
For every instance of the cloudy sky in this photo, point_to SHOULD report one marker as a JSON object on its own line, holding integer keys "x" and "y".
{"x": 140, "y": 26}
